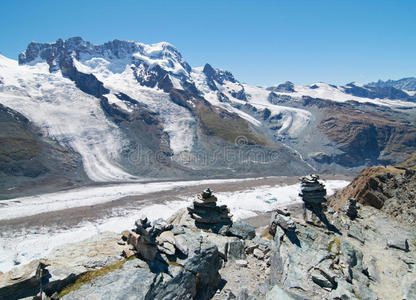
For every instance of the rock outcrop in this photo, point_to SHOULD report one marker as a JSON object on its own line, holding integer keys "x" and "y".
{"x": 390, "y": 189}
{"x": 357, "y": 252}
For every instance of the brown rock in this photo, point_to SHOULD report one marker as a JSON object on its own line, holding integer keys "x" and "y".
{"x": 128, "y": 253}
{"x": 125, "y": 235}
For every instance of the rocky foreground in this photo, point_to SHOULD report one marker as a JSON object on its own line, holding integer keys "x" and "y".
{"x": 346, "y": 248}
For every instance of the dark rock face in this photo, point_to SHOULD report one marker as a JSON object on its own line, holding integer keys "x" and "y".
{"x": 152, "y": 77}
{"x": 216, "y": 76}
{"x": 287, "y": 87}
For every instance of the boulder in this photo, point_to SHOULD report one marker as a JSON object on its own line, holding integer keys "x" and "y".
{"x": 398, "y": 242}
{"x": 64, "y": 265}
{"x": 166, "y": 236}
{"x": 241, "y": 263}
{"x": 322, "y": 279}
{"x": 236, "y": 250}
{"x": 166, "y": 248}
{"x": 284, "y": 221}
{"x": 124, "y": 283}
{"x": 242, "y": 230}
{"x": 128, "y": 253}
{"x": 181, "y": 244}
{"x": 258, "y": 254}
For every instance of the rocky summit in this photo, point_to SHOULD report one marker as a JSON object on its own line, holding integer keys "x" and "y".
{"x": 328, "y": 250}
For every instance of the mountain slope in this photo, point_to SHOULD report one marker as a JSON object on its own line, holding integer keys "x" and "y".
{"x": 137, "y": 112}
{"x": 27, "y": 158}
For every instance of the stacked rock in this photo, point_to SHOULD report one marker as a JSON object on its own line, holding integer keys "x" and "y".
{"x": 205, "y": 210}
{"x": 351, "y": 208}
{"x": 142, "y": 238}
{"x": 313, "y": 191}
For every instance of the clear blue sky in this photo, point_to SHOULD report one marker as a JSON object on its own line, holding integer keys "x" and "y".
{"x": 262, "y": 42}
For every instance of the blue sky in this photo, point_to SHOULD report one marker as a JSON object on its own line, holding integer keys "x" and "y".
{"x": 262, "y": 42}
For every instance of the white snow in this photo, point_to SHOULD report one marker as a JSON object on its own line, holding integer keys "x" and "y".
{"x": 328, "y": 92}
{"x": 27, "y": 246}
{"x": 248, "y": 203}
{"x": 293, "y": 119}
{"x": 86, "y": 196}
{"x": 410, "y": 93}
{"x": 112, "y": 99}
{"x": 178, "y": 122}
{"x": 200, "y": 80}
{"x": 65, "y": 114}
{"x": 30, "y": 245}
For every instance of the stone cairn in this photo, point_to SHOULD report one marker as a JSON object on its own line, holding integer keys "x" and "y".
{"x": 206, "y": 211}
{"x": 149, "y": 239}
{"x": 351, "y": 208}
{"x": 313, "y": 192}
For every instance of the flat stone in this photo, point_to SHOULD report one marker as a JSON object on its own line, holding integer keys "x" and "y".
{"x": 320, "y": 279}
{"x": 398, "y": 242}
{"x": 241, "y": 263}
{"x": 119, "y": 284}
{"x": 236, "y": 250}
{"x": 356, "y": 232}
{"x": 258, "y": 253}
{"x": 167, "y": 248}
{"x": 128, "y": 253}
{"x": 166, "y": 236}
{"x": 243, "y": 230}
{"x": 181, "y": 244}
{"x": 285, "y": 222}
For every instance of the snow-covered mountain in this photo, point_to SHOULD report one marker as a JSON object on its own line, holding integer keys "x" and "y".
{"x": 406, "y": 84}
{"x": 132, "y": 111}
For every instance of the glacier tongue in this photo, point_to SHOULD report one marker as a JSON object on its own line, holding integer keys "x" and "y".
{"x": 65, "y": 114}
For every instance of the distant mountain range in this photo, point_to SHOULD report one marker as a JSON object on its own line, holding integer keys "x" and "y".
{"x": 75, "y": 112}
{"x": 408, "y": 84}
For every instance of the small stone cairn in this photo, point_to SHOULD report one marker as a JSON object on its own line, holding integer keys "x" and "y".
{"x": 313, "y": 192}
{"x": 206, "y": 211}
{"x": 351, "y": 208}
